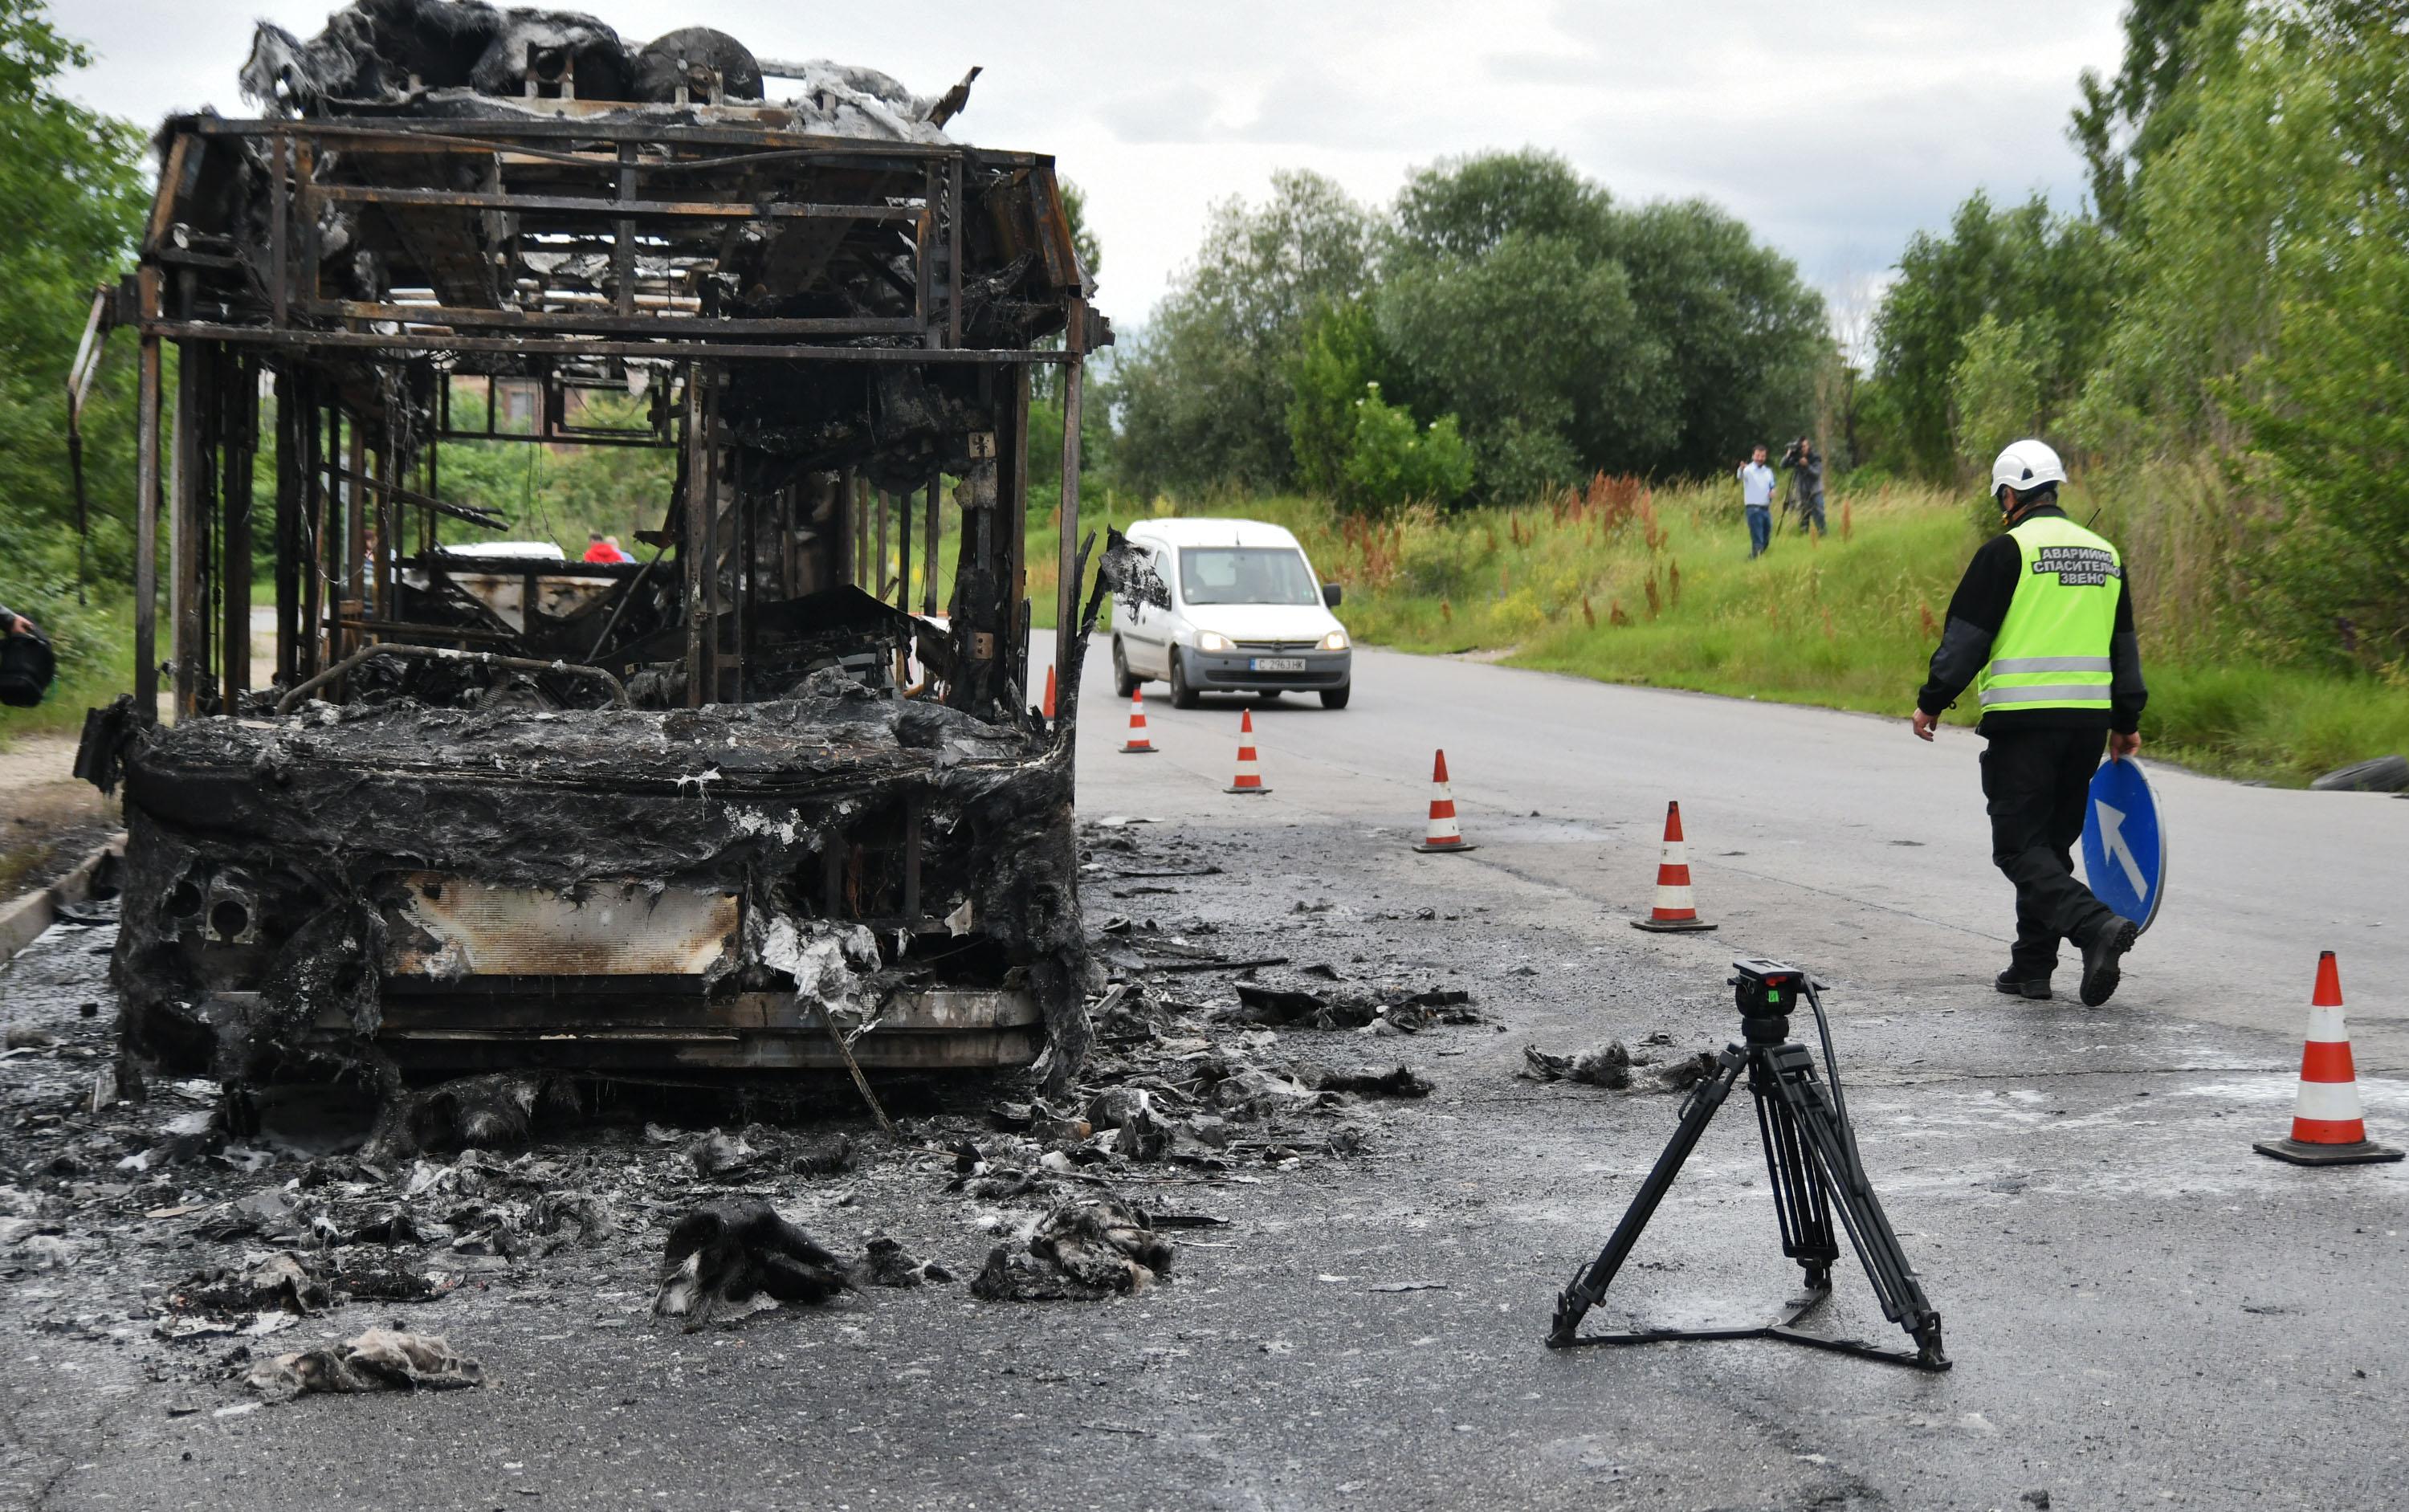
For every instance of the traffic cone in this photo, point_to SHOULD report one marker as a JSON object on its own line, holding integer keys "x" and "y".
{"x": 1049, "y": 692}
{"x": 1675, "y": 911}
{"x": 1442, "y": 833}
{"x": 1248, "y": 780}
{"x": 1137, "y": 744}
{"x": 2328, "y": 1125}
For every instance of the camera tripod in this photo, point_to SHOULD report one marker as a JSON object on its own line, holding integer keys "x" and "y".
{"x": 1810, "y": 1156}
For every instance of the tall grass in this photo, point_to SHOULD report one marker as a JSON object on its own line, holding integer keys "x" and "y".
{"x": 1629, "y": 583}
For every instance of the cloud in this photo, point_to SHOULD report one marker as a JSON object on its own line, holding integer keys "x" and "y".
{"x": 1180, "y": 113}
{"x": 1834, "y": 132}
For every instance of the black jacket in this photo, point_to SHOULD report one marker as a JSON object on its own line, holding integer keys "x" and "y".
{"x": 1979, "y": 607}
{"x": 1808, "y": 469}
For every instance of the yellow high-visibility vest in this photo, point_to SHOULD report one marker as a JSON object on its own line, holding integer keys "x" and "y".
{"x": 2052, "y": 650}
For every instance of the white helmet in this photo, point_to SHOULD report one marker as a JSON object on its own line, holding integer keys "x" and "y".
{"x": 2024, "y": 467}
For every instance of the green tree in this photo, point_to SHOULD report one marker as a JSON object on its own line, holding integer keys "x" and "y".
{"x": 2056, "y": 276}
{"x": 1994, "y": 395}
{"x": 1393, "y": 462}
{"x": 1742, "y": 336}
{"x": 1463, "y": 208}
{"x": 2269, "y": 325}
{"x": 1541, "y": 350}
{"x": 1203, "y": 392}
{"x": 2126, "y": 120}
{"x": 1340, "y": 354}
{"x": 1655, "y": 340}
{"x": 2278, "y": 174}
{"x": 75, "y": 191}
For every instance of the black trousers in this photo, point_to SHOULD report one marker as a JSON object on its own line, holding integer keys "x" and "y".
{"x": 2038, "y": 783}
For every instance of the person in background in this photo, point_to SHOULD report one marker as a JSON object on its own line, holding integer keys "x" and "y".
{"x": 1807, "y": 472}
{"x": 619, "y": 551}
{"x": 1756, "y": 499}
{"x": 600, "y": 548}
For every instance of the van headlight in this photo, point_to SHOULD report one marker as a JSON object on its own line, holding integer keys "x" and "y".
{"x": 1334, "y": 640}
{"x": 1210, "y": 641}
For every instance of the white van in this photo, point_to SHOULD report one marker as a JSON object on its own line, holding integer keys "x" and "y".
{"x": 1247, "y": 615}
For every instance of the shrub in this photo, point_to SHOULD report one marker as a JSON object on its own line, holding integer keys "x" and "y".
{"x": 1391, "y": 462}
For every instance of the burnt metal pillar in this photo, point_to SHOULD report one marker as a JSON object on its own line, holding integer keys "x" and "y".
{"x": 351, "y": 605}
{"x": 389, "y": 520}
{"x": 1012, "y": 489}
{"x": 741, "y": 582}
{"x": 878, "y": 569}
{"x": 972, "y": 620}
{"x": 145, "y": 516}
{"x": 185, "y": 541}
{"x": 904, "y": 552}
{"x": 694, "y": 536}
{"x": 431, "y": 534}
{"x": 861, "y": 503}
{"x": 293, "y": 416}
{"x": 841, "y": 553}
{"x": 239, "y": 438}
{"x": 1066, "y": 588}
{"x": 953, "y": 249}
{"x": 929, "y": 555}
{"x": 623, "y": 236}
{"x": 320, "y": 442}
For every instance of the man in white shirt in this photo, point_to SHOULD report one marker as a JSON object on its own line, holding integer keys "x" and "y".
{"x": 1757, "y": 495}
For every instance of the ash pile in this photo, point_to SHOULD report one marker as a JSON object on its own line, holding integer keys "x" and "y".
{"x": 215, "y": 1233}
{"x": 469, "y": 59}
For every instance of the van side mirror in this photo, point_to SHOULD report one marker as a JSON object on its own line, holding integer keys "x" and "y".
{"x": 1331, "y": 593}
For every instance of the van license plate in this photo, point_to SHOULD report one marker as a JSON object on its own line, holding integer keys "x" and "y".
{"x": 1276, "y": 664}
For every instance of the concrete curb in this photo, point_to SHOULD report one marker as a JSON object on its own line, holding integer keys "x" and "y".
{"x": 23, "y": 919}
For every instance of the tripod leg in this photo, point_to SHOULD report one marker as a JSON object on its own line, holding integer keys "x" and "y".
{"x": 1800, "y": 1203}
{"x": 1861, "y": 1212}
{"x": 1578, "y": 1299}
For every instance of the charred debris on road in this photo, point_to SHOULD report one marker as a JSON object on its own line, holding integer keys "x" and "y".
{"x": 202, "y": 1226}
{"x": 749, "y": 804}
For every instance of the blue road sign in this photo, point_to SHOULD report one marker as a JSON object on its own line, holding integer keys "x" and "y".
{"x": 2124, "y": 848}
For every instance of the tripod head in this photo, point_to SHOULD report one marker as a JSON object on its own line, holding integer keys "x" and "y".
{"x": 1766, "y": 989}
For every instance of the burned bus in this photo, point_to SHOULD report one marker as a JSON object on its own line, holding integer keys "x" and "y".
{"x": 756, "y": 800}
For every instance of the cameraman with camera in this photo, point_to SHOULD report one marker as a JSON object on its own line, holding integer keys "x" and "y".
{"x": 1807, "y": 472}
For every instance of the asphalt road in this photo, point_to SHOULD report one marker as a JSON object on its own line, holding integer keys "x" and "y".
{"x": 1837, "y": 840}
{"x": 2143, "y": 1312}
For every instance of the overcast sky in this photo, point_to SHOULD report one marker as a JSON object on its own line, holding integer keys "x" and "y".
{"x": 1835, "y": 130}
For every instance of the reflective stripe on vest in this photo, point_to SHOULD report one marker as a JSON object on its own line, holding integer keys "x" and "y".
{"x": 2051, "y": 651}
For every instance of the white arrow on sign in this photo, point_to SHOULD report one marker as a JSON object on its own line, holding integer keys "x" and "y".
{"x": 2111, "y": 840}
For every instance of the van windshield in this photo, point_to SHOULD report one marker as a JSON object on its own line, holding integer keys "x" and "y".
{"x": 1246, "y": 575}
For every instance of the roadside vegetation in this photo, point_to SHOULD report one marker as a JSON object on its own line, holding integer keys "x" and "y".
{"x": 1626, "y": 583}
{"x": 75, "y": 187}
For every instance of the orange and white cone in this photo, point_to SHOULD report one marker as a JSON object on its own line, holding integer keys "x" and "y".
{"x": 1049, "y": 692}
{"x": 2329, "y": 1126}
{"x": 1676, "y": 911}
{"x": 1443, "y": 833}
{"x": 1248, "y": 780}
{"x": 1137, "y": 744}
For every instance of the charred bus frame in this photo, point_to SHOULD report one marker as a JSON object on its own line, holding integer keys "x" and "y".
{"x": 822, "y": 326}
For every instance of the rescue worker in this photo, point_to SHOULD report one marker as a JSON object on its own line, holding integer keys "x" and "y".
{"x": 2043, "y": 619}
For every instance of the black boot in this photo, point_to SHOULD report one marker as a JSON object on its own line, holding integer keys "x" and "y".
{"x": 2101, "y": 971}
{"x": 2019, "y": 984}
